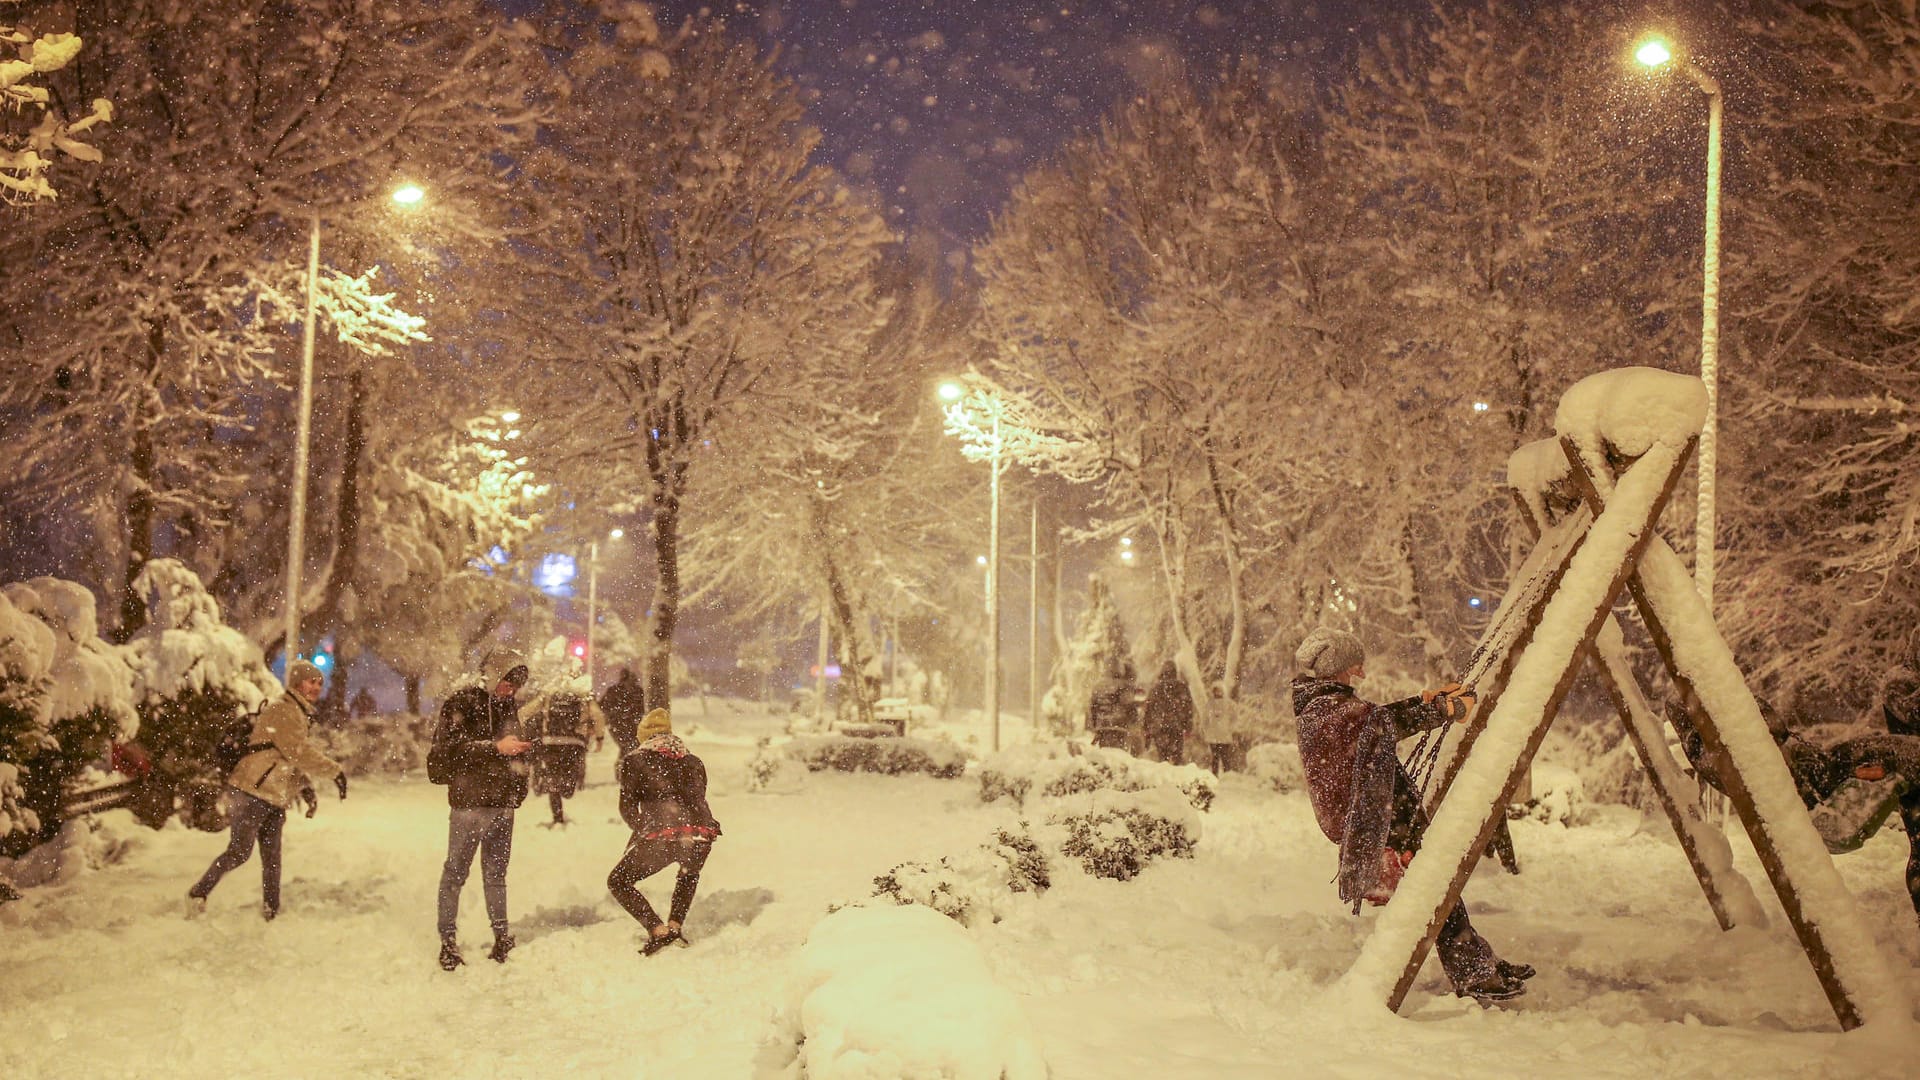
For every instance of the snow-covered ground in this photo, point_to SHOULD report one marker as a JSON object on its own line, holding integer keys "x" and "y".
{"x": 1222, "y": 966}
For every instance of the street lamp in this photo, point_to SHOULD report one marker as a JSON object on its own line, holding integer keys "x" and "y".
{"x": 966, "y": 408}
{"x": 1656, "y": 53}
{"x": 406, "y": 196}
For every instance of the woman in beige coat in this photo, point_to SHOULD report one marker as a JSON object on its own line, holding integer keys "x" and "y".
{"x": 265, "y": 782}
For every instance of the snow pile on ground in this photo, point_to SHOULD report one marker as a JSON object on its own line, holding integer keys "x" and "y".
{"x": 775, "y": 771}
{"x": 901, "y": 993}
{"x": 1559, "y": 796}
{"x": 891, "y": 756}
{"x": 83, "y": 845}
{"x": 1058, "y": 769}
{"x": 1277, "y": 766}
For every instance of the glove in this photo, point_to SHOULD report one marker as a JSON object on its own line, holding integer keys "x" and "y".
{"x": 312, "y": 800}
{"x": 340, "y": 781}
{"x": 1454, "y": 699}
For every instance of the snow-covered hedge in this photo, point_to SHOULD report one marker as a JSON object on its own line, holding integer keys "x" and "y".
{"x": 1277, "y": 765}
{"x": 1558, "y": 796}
{"x": 391, "y": 743}
{"x": 881, "y": 755}
{"x": 902, "y": 993}
{"x": 1116, "y": 834}
{"x": 775, "y": 772}
{"x": 1059, "y": 769}
{"x": 976, "y": 887}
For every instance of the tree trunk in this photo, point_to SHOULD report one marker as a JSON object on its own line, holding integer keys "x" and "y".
{"x": 856, "y": 646}
{"x": 140, "y": 507}
{"x": 667, "y": 487}
{"x": 413, "y": 694}
{"x": 346, "y": 549}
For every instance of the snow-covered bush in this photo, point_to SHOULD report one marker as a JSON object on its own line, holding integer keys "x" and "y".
{"x": 893, "y": 756}
{"x": 774, "y": 771}
{"x": 1116, "y": 834}
{"x": 79, "y": 846}
{"x": 1277, "y": 765}
{"x": 973, "y": 888}
{"x": 902, "y": 993}
{"x": 1054, "y": 770}
{"x": 64, "y": 695}
{"x": 1558, "y": 796}
{"x": 393, "y": 743}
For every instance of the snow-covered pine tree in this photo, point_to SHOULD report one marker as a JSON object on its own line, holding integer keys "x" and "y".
{"x": 1094, "y": 681}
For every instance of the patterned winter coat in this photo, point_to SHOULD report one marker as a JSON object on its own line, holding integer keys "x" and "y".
{"x": 663, "y": 792}
{"x": 277, "y": 773}
{"x": 1362, "y": 797}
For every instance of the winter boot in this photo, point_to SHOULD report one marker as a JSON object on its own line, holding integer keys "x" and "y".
{"x": 656, "y": 942}
{"x": 196, "y": 906}
{"x": 268, "y": 912}
{"x": 450, "y": 957}
{"x": 1494, "y": 987}
{"x": 1513, "y": 972}
{"x": 503, "y": 944}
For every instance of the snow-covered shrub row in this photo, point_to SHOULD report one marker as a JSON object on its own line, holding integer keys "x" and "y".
{"x": 1115, "y": 834}
{"x": 1277, "y": 765}
{"x": 1059, "y": 769}
{"x": 1558, "y": 796}
{"x": 893, "y": 756}
{"x": 899, "y": 992}
{"x": 973, "y": 888}
{"x": 393, "y": 743}
{"x": 774, "y": 771}
{"x": 82, "y": 845}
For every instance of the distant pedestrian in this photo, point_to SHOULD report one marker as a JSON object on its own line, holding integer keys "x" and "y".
{"x": 278, "y": 768}
{"x": 624, "y": 703}
{"x": 663, "y": 799}
{"x": 478, "y": 752}
{"x": 1365, "y": 802}
{"x": 1168, "y": 716}
{"x": 562, "y": 722}
{"x": 1217, "y": 728}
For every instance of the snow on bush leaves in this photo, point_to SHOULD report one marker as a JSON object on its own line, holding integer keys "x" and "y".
{"x": 892, "y": 756}
{"x": 1055, "y": 770}
{"x": 1116, "y": 834}
{"x": 975, "y": 887}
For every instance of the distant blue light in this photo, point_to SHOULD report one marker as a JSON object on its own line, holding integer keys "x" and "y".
{"x": 321, "y": 660}
{"x": 1473, "y": 602}
{"x": 555, "y": 575}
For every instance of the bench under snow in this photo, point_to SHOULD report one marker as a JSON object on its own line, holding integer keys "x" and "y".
{"x": 902, "y": 993}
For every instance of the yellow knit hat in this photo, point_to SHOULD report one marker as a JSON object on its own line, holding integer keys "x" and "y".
{"x": 656, "y": 722}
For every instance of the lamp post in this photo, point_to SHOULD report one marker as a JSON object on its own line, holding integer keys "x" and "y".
{"x": 405, "y": 196}
{"x": 964, "y": 408}
{"x": 1656, "y": 53}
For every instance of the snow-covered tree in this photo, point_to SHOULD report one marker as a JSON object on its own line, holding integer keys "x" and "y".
{"x": 703, "y": 262}
{"x": 1097, "y": 665}
{"x": 32, "y": 126}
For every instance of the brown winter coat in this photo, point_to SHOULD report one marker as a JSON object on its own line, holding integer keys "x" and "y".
{"x": 276, "y": 773}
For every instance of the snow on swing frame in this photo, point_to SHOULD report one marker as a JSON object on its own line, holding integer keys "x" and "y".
{"x": 1626, "y": 436}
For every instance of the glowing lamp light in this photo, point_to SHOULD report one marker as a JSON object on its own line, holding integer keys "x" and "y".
{"x": 408, "y": 194}
{"x": 1126, "y": 541}
{"x": 616, "y": 534}
{"x": 322, "y": 660}
{"x": 1126, "y": 556}
{"x": 1653, "y": 52}
{"x": 509, "y": 417}
{"x": 1473, "y": 601}
{"x": 980, "y": 560}
{"x": 580, "y": 648}
{"x": 1481, "y": 406}
{"x": 950, "y": 391}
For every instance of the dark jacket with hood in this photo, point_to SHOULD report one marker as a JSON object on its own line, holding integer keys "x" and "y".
{"x": 1362, "y": 797}
{"x": 663, "y": 792}
{"x": 472, "y": 721}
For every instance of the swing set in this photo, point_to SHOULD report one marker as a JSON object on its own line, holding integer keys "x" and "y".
{"x": 1591, "y": 497}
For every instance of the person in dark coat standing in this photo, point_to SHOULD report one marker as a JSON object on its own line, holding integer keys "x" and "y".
{"x": 663, "y": 799}
{"x": 479, "y": 750}
{"x": 1168, "y": 715}
{"x": 625, "y": 702}
{"x": 1364, "y": 801}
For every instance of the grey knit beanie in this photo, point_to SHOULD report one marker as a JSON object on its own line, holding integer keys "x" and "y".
{"x": 1327, "y": 652}
{"x": 300, "y": 671}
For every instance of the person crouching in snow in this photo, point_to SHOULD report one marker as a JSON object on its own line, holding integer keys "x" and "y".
{"x": 663, "y": 799}
{"x": 264, "y": 783}
{"x": 1365, "y": 802}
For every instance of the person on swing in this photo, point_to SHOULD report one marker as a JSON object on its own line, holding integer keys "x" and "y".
{"x": 1365, "y": 802}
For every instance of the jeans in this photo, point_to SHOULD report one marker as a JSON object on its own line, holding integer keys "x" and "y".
{"x": 645, "y": 858}
{"x": 250, "y": 819}
{"x": 489, "y": 831}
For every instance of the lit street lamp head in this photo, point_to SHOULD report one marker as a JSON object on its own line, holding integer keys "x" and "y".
{"x": 408, "y": 194}
{"x": 1653, "y": 52}
{"x": 951, "y": 391}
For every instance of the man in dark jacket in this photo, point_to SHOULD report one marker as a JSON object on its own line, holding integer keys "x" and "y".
{"x": 478, "y": 748}
{"x": 663, "y": 799}
{"x": 1169, "y": 714}
{"x": 625, "y": 702}
{"x": 1365, "y": 802}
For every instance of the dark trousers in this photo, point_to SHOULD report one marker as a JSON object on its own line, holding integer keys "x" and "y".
{"x": 250, "y": 819}
{"x": 1464, "y": 955}
{"x": 1910, "y": 820}
{"x": 1222, "y": 756}
{"x": 645, "y": 858}
{"x": 489, "y": 831}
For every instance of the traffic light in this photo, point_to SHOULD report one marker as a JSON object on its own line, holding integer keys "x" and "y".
{"x": 578, "y": 648}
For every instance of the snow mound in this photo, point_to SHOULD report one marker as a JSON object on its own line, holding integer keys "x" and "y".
{"x": 901, "y": 993}
{"x": 976, "y": 887}
{"x": 775, "y": 772}
{"x": 1055, "y": 770}
{"x": 1277, "y": 766}
{"x": 891, "y": 756}
{"x": 1116, "y": 834}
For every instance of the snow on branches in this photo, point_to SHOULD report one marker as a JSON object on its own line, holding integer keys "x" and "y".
{"x": 25, "y": 156}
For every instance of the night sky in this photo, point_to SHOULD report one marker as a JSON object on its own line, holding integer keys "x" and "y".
{"x": 941, "y": 106}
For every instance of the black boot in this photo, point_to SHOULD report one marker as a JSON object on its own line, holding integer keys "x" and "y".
{"x": 657, "y": 942}
{"x": 1513, "y": 972}
{"x": 450, "y": 957}
{"x": 502, "y": 945}
{"x": 1494, "y": 987}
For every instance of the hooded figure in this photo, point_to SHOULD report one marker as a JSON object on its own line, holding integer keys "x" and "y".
{"x": 1169, "y": 713}
{"x": 481, "y": 749}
